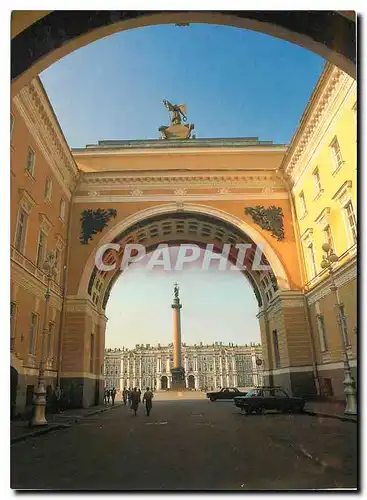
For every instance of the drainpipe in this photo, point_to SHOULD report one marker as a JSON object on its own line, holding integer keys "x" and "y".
{"x": 303, "y": 278}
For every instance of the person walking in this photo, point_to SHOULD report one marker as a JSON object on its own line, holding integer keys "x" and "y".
{"x": 124, "y": 395}
{"x": 113, "y": 395}
{"x": 108, "y": 396}
{"x": 129, "y": 396}
{"x": 135, "y": 400}
{"x": 148, "y": 396}
{"x": 139, "y": 392}
{"x": 105, "y": 396}
{"x": 57, "y": 399}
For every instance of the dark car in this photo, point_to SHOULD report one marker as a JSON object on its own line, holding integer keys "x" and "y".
{"x": 225, "y": 393}
{"x": 268, "y": 398}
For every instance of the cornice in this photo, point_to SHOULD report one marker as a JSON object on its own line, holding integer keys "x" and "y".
{"x": 346, "y": 186}
{"x": 333, "y": 83}
{"x": 323, "y": 216}
{"x": 33, "y": 105}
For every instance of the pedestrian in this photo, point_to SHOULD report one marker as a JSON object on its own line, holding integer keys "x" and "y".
{"x": 113, "y": 395}
{"x": 124, "y": 395}
{"x": 139, "y": 392}
{"x": 105, "y": 396}
{"x": 108, "y": 396}
{"x": 129, "y": 396}
{"x": 148, "y": 396}
{"x": 57, "y": 398}
{"x": 135, "y": 400}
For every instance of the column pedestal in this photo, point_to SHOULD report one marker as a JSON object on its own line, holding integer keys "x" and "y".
{"x": 178, "y": 379}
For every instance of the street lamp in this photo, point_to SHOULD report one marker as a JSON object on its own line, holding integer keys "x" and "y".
{"x": 328, "y": 260}
{"x": 39, "y": 418}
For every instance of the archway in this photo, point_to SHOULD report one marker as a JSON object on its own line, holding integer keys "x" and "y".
{"x": 52, "y": 35}
{"x": 164, "y": 383}
{"x": 281, "y": 309}
{"x": 191, "y": 382}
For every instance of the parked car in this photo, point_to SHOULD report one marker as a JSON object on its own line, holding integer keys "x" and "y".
{"x": 225, "y": 393}
{"x": 268, "y": 398}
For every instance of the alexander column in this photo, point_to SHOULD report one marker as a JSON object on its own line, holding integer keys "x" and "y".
{"x": 178, "y": 372}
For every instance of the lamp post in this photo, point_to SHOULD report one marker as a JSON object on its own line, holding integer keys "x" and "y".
{"x": 39, "y": 418}
{"x": 327, "y": 262}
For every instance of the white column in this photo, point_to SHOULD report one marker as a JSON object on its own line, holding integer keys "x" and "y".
{"x": 168, "y": 368}
{"x": 196, "y": 382}
{"x": 168, "y": 381}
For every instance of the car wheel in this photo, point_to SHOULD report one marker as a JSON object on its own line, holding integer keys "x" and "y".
{"x": 299, "y": 409}
{"x": 259, "y": 410}
{"x": 212, "y": 400}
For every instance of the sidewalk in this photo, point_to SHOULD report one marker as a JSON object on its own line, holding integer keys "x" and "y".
{"x": 329, "y": 410}
{"x": 20, "y": 430}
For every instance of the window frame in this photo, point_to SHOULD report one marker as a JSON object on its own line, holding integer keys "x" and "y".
{"x": 322, "y": 332}
{"x": 32, "y": 152}
{"x": 317, "y": 181}
{"x": 352, "y": 229}
{"x": 21, "y": 248}
{"x": 47, "y": 195}
{"x": 62, "y": 209}
{"x": 303, "y": 204}
{"x": 336, "y": 154}
{"x": 311, "y": 257}
{"x": 40, "y": 257}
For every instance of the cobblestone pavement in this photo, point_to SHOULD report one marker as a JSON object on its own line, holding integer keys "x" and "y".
{"x": 188, "y": 444}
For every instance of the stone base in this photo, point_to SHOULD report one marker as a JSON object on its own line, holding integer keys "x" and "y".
{"x": 177, "y": 131}
{"x": 82, "y": 392}
{"x": 294, "y": 383}
{"x": 178, "y": 379}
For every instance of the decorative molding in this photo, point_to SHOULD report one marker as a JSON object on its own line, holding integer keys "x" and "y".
{"x": 93, "y": 193}
{"x": 223, "y": 191}
{"x": 120, "y": 198}
{"x": 270, "y": 219}
{"x": 136, "y": 192}
{"x": 45, "y": 223}
{"x": 60, "y": 242}
{"x": 26, "y": 202}
{"x": 323, "y": 217}
{"x": 343, "y": 194}
{"x": 306, "y": 236}
{"x": 93, "y": 221}
{"x": 180, "y": 192}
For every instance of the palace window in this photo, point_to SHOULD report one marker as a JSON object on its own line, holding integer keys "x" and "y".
{"x": 31, "y": 160}
{"x": 337, "y": 155}
{"x": 48, "y": 189}
{"x": 276, "y": 348}
{"x": 302, "y": 201}
{"x": 41, "y": 249}
{"x": 33, "y": 333}
{"x": 352, "y": 223}
{"x": 322, "y": 332}
{"x": 62, "y": 209}
{"x": 21, "y": 230}
{"x": 312, "y": 260}
{"x": 317, "y": 181}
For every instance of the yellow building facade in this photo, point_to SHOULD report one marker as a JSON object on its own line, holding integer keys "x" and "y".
{"x": 199, "y": 191}
{"x": 321, "y": 169}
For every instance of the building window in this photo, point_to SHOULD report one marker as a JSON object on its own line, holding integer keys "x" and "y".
{"x": 328, "y": 237}
{"x": 21, "y": 230}
{"x": 302, "y": 203}
{"x": 48, "y": 189}
{"x": 62, "y": 209}
{"x": 322, "y": 332}
{"x": 312, "y": 260}
{"x": 58, "y": 257}
{"x": 344, "y": 326}
{"x": 337, "y": 156}
{"x": 33, "y": 333}
{"x": 41, "y": 249}
{"x": 276, "y": 348}
{"x": 51, "y": 329}
{"x": 317, "y": 181}
{"x": 13, "y": 312}
{"x": 352, "y": 223}
{"x": 31, "y": 159}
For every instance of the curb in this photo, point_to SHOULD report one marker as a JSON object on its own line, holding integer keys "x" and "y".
{"x": 332, "y": 415}
{"x": 56, "y": 427}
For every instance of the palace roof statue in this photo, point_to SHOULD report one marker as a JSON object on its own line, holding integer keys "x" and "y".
{"x": 176, "y": 130}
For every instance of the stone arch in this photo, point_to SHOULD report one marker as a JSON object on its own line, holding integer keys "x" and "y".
{"x": 164, "y": 382}
{"x": 191, "y": 381}
{"x": 137, "y": 219}
{"x": 330, "y": 34}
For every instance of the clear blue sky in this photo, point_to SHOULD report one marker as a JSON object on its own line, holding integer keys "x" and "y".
{"x": 235, "y": 83}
